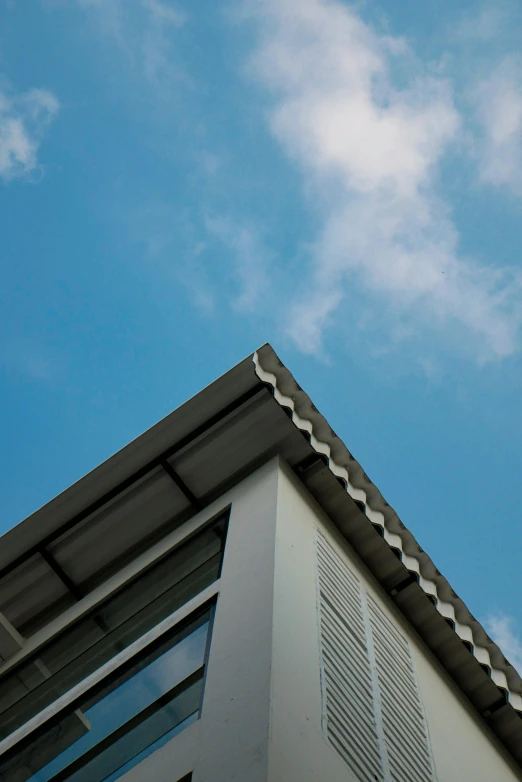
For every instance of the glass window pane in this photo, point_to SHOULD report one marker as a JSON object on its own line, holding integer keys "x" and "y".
{"x": 122, "y": 619}
{"x": 141, "y": 694}
{"x": 143, "y": 740}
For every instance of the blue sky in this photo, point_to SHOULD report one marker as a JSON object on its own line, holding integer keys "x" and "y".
{"x": 181, "y": 182}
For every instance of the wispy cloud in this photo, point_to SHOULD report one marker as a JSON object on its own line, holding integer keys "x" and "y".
{"x": 369, "y": 151}
{"x": 498, "y": 102}
{"x": 504, "y": 633}
{"x": 251, "y": 259}
{"x": 142, "y": 31}
{"x": 32, "y": 360}
{"x": 156, "y": 44}
{"x": 23, "y": 120}
{"x": 165, "y": 12}
{"x": 482, "y": 24}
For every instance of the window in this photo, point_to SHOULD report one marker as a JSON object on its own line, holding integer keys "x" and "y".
{"x": 123, "y": 717}
{"x": 112, "y": 626}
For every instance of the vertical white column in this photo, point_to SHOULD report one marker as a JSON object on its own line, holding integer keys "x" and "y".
{"x": 234, "y": 730}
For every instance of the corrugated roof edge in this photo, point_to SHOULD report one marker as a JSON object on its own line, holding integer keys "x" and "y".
{"x": 270, "y": 369}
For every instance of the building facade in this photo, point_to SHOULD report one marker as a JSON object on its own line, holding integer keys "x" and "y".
{"x": 230, "y": 599}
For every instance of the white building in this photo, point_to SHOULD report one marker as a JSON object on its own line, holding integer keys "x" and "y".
{"x": 230, "y": 599}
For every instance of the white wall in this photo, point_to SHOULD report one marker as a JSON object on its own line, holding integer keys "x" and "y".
{"x": 235, "y": 718}
{"x": 463, "y": 747}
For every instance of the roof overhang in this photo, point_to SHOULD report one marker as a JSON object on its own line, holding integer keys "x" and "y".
{"x": 252, "y": 413}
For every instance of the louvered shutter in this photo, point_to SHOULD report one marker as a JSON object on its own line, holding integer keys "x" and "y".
{"x": 403, "y": 722}
{"x": 346, "y": 676}
{"x": 372, "y": 712}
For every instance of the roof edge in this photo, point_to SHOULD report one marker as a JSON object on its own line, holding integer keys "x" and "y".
{"x": 270, "y": 369}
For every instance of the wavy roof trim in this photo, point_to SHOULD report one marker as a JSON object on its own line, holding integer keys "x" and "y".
{"x": 342, "y": 464}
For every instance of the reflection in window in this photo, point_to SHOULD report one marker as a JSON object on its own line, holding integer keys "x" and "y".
{"x": 123, "y": 618}
{"x": 113, "y": 729}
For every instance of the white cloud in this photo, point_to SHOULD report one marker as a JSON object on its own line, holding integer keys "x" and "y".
{"x": 23, "y": 119}
{"x": 498, "y": 101}
{"x": 502, "y": 630}
{"x": 369, "y": 153}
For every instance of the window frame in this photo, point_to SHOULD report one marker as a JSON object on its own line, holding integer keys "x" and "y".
{"x": 205, "y": 600}
{"x": 79, "y": 763}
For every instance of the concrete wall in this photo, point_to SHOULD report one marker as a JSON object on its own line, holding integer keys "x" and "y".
{"x": 463, "y": 747}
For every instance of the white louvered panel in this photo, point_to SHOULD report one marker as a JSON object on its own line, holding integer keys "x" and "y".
{"x": 403, "y": 723}
{"x": 346, "y": 675}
